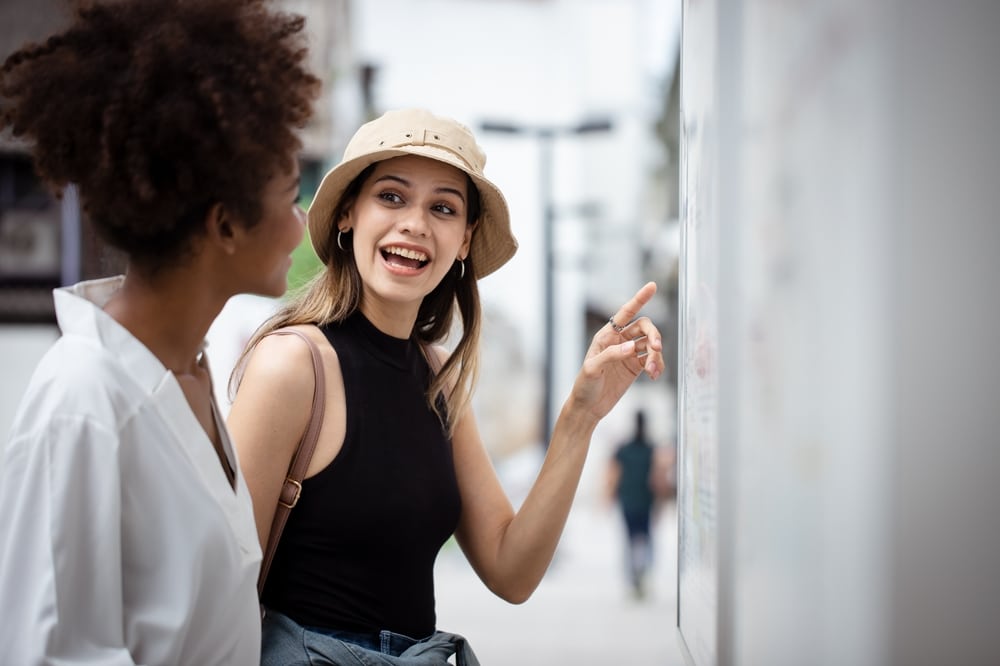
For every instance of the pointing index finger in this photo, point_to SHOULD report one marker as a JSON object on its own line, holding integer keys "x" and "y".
{"x": 628, "y": 312}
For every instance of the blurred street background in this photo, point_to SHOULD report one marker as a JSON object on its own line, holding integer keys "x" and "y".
{"x": 583, "y": 613}
{"x": 813, "y": 187}
{"x": 575, "y": 103}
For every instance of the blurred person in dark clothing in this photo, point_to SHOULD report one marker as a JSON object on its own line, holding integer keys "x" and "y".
{"x": 633, "y": 481}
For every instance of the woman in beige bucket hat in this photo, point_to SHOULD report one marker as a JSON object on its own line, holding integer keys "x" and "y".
{"x": 405, "y": 225}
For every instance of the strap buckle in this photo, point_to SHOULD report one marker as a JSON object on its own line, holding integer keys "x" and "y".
{"x": 296, "y": 488}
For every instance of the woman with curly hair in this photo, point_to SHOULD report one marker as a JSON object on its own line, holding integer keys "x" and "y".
{"x": 128, "y": 533}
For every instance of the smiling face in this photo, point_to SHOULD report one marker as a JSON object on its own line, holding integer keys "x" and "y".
{"x": 409, "y": 226}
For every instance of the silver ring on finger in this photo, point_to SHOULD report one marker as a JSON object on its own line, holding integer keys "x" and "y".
{"x": 640, "y": 346}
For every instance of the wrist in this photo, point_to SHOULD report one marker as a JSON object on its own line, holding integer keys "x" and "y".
{"x": 577, "y": 419}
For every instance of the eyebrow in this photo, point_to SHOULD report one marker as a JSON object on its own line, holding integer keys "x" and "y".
{"x": 406, "y": 183}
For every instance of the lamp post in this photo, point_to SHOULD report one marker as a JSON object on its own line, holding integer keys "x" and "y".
{"x": 546, "y": 135}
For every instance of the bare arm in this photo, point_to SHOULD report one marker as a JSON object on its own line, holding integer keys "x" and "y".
{"x": 511, "y": 551}
{"x": 267, "y": 419}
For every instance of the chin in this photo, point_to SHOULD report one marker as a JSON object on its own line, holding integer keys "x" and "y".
{"x": 276, "y": 289}
{"x": 280, "y": 291}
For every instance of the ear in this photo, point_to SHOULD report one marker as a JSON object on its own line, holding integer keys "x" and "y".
{"x": 466, "y": 242}
{"x": 343, "y": 223}
{"x": 220, "y": 230}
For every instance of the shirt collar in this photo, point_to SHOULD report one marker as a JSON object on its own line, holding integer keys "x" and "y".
{"x": 79, "y": 311}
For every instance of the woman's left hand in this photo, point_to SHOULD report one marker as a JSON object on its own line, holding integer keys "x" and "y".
{"x": 620, "y": 351}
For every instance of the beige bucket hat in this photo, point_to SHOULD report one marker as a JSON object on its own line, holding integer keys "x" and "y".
{"x": 417, "y": 132}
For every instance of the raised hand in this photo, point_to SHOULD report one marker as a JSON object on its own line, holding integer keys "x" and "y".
{"x": 623, "y": 348}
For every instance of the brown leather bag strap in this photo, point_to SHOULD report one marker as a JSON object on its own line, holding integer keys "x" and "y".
{"x": 292, "y": 487}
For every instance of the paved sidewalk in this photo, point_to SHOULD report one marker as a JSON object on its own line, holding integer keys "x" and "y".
{"x": 582, "y": 614}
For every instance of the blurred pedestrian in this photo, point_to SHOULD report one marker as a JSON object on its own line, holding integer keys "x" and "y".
{"x": 406, "y": 225}
{"x": 633, "y": 483}
{"x": 127, "y": 533}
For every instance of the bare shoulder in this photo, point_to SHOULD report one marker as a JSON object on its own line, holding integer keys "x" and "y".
{"x": 283, "y": 362}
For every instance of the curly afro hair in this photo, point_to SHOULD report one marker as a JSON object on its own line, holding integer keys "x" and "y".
{"x": 159, "y": 109}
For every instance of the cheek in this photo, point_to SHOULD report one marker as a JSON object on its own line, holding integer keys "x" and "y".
{"x": 461, "y": 237}
{"x": 368, "y": 229}
{"x": 361, "y": 238}
{"x": 290, "y": 228}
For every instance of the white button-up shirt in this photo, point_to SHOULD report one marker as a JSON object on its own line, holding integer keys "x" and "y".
{"x": 121, "y": 539}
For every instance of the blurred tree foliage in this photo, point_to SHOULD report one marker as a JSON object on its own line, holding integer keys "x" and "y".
{"x": 305, "y": 263}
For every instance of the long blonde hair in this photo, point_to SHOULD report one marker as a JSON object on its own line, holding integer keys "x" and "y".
{"x": 334, "y": 294}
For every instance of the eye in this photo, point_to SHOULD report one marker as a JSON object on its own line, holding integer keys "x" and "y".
{"x": 298, "y": 199}
{"x": 390, "y": 196}
{"x": 444, "y": 208}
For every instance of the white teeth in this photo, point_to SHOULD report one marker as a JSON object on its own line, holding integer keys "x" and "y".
{"x": 406, "y": 253}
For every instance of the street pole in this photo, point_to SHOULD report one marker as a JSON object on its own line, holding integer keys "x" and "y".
{"x": 545, "y": 136}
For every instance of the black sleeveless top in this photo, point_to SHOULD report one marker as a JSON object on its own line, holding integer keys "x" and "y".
{"x": 358, "y": 551}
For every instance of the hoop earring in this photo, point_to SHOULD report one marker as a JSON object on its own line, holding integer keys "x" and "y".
{"x": 461, "y": 265}
{"x": 339, "y": 244}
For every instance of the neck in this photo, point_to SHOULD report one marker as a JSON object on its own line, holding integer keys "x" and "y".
{"x": 170, "y": 314}
{"x": 393, "y": 319}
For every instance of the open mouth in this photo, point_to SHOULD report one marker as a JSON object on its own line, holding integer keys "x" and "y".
{"x": 404, "y": 257}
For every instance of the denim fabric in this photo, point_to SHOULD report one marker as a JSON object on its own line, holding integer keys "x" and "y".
{"x": 385, "y": 642}
{"x": 286, "y": 643}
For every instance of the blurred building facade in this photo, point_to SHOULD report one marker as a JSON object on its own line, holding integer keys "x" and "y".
{"x": 615, "y": 195}
{"x": 46, "y": 242}
{"x": 838, "y": 501}
{"x": 539, "y": 66}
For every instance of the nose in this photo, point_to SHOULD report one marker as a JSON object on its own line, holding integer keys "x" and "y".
{"x": 413, "y": 221}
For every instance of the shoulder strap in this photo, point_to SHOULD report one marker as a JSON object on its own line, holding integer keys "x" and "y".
{"x": 292, "y": 487}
